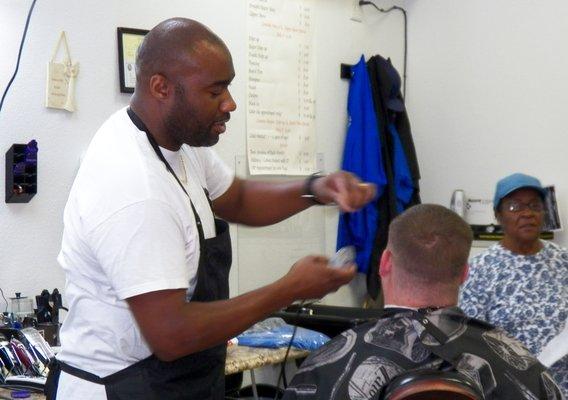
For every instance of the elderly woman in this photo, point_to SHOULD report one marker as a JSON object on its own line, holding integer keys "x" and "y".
{"x": 521, "y": 283}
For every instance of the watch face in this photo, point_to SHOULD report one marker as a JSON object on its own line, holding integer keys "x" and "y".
{"x": 344, "y": 256}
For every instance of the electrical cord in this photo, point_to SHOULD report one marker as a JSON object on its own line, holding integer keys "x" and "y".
{"x": 344, "y": 256}
{"x": 387, "y": 10}
{"x": 4, "y": 297}
{"x": 19, "y": 54}
{"x": 282, "y": 375}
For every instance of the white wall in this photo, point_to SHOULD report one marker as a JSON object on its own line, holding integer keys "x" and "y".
{"x": 30, "y": 233}
{"x": 487, "y": 94}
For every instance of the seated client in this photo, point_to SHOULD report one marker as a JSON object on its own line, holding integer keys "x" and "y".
{"x": 421, "y": 270}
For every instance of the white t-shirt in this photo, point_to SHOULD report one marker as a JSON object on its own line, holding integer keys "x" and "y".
{"x": 129, "y": 230}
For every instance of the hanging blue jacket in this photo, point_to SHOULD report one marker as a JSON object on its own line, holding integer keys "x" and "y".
{"x": 362, "y": 156}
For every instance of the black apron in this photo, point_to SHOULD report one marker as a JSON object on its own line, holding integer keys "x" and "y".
{"x": 196, "y": 376}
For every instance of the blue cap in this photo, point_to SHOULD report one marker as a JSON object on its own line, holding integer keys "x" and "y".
{"x": 517, "y": 181}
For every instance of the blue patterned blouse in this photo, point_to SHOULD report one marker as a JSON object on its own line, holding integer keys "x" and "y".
{"x": 525, "y": 295}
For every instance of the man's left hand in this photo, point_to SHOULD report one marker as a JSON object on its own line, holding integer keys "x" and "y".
{"x": 344, "y": 189}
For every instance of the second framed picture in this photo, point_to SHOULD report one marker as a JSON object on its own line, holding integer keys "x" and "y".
{"x": 129, "y": 39}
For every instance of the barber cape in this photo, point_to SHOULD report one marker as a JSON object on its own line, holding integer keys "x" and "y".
{"x": 359, "y": 363}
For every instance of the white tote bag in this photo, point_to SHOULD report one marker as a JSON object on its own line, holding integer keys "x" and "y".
{"x": 60, "y": 91}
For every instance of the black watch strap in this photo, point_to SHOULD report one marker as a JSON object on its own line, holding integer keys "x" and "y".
{"x": 308, "y": 192}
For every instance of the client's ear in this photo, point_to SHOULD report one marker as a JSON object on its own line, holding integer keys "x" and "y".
{"x": 385, "y": 265}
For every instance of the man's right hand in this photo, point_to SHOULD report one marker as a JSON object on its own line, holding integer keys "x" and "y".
{"x": 189, "y": 327}
{"x": 312, "y": 277}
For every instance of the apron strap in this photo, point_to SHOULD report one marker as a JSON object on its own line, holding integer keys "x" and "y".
{"x": 421, "y": 316}
{"x": 142, "y": 126}
{"x": 79, "y": 373}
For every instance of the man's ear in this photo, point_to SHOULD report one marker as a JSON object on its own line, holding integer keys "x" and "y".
{"x": 385, "y": 265}
{"x": 159, "y": 87}
{"x": 464, "y": 274}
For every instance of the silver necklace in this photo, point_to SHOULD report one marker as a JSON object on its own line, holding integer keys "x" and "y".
{"x": 183, "y": 178}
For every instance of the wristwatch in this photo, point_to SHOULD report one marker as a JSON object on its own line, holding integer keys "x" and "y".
{"x": 308, "y": 192}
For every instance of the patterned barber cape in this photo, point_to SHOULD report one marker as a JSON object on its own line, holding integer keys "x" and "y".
{"x": 359, "y": 363}
{"x": 525, "y": 295}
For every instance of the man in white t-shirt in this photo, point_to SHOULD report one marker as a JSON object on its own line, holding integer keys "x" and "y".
{"x": 146, "y": 260}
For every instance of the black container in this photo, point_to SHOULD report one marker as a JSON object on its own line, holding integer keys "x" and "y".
{"x": 329, "y": 320}
{"x": 21, "y": 175}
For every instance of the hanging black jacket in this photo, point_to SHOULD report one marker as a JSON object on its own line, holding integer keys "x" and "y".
{"x": 389, "y": 108}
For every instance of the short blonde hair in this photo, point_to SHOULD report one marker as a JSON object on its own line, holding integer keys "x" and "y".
{"x": 430, "y": 243}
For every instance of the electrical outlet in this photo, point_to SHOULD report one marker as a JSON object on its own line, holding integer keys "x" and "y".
{"x": 356, "y": 11}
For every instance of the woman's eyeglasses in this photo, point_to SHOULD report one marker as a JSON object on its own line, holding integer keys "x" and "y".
{"x": 515, "y": 206}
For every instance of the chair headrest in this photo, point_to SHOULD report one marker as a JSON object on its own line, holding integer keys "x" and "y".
{"x": 431, "y": 384}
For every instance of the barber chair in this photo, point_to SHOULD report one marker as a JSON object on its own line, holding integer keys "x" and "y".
{"x": 329, "y": 320}
{"x": 431, "y": 385}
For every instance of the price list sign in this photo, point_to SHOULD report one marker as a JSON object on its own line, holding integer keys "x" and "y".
{"x": 280, "y": 88}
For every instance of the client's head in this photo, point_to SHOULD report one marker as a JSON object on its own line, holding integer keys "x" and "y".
{"x": 425, "y": 261}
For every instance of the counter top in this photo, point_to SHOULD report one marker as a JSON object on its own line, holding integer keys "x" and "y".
{"x": 242, "y": 358}
{"x": 239, "y": 358}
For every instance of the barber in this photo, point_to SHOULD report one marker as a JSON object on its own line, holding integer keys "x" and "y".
{"x": 146, "y": 260}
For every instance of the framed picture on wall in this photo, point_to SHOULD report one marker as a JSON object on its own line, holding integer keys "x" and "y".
{"x": 129, "y": 39}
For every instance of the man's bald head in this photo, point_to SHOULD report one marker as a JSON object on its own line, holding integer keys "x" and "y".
{"x": 169, "y": 47}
